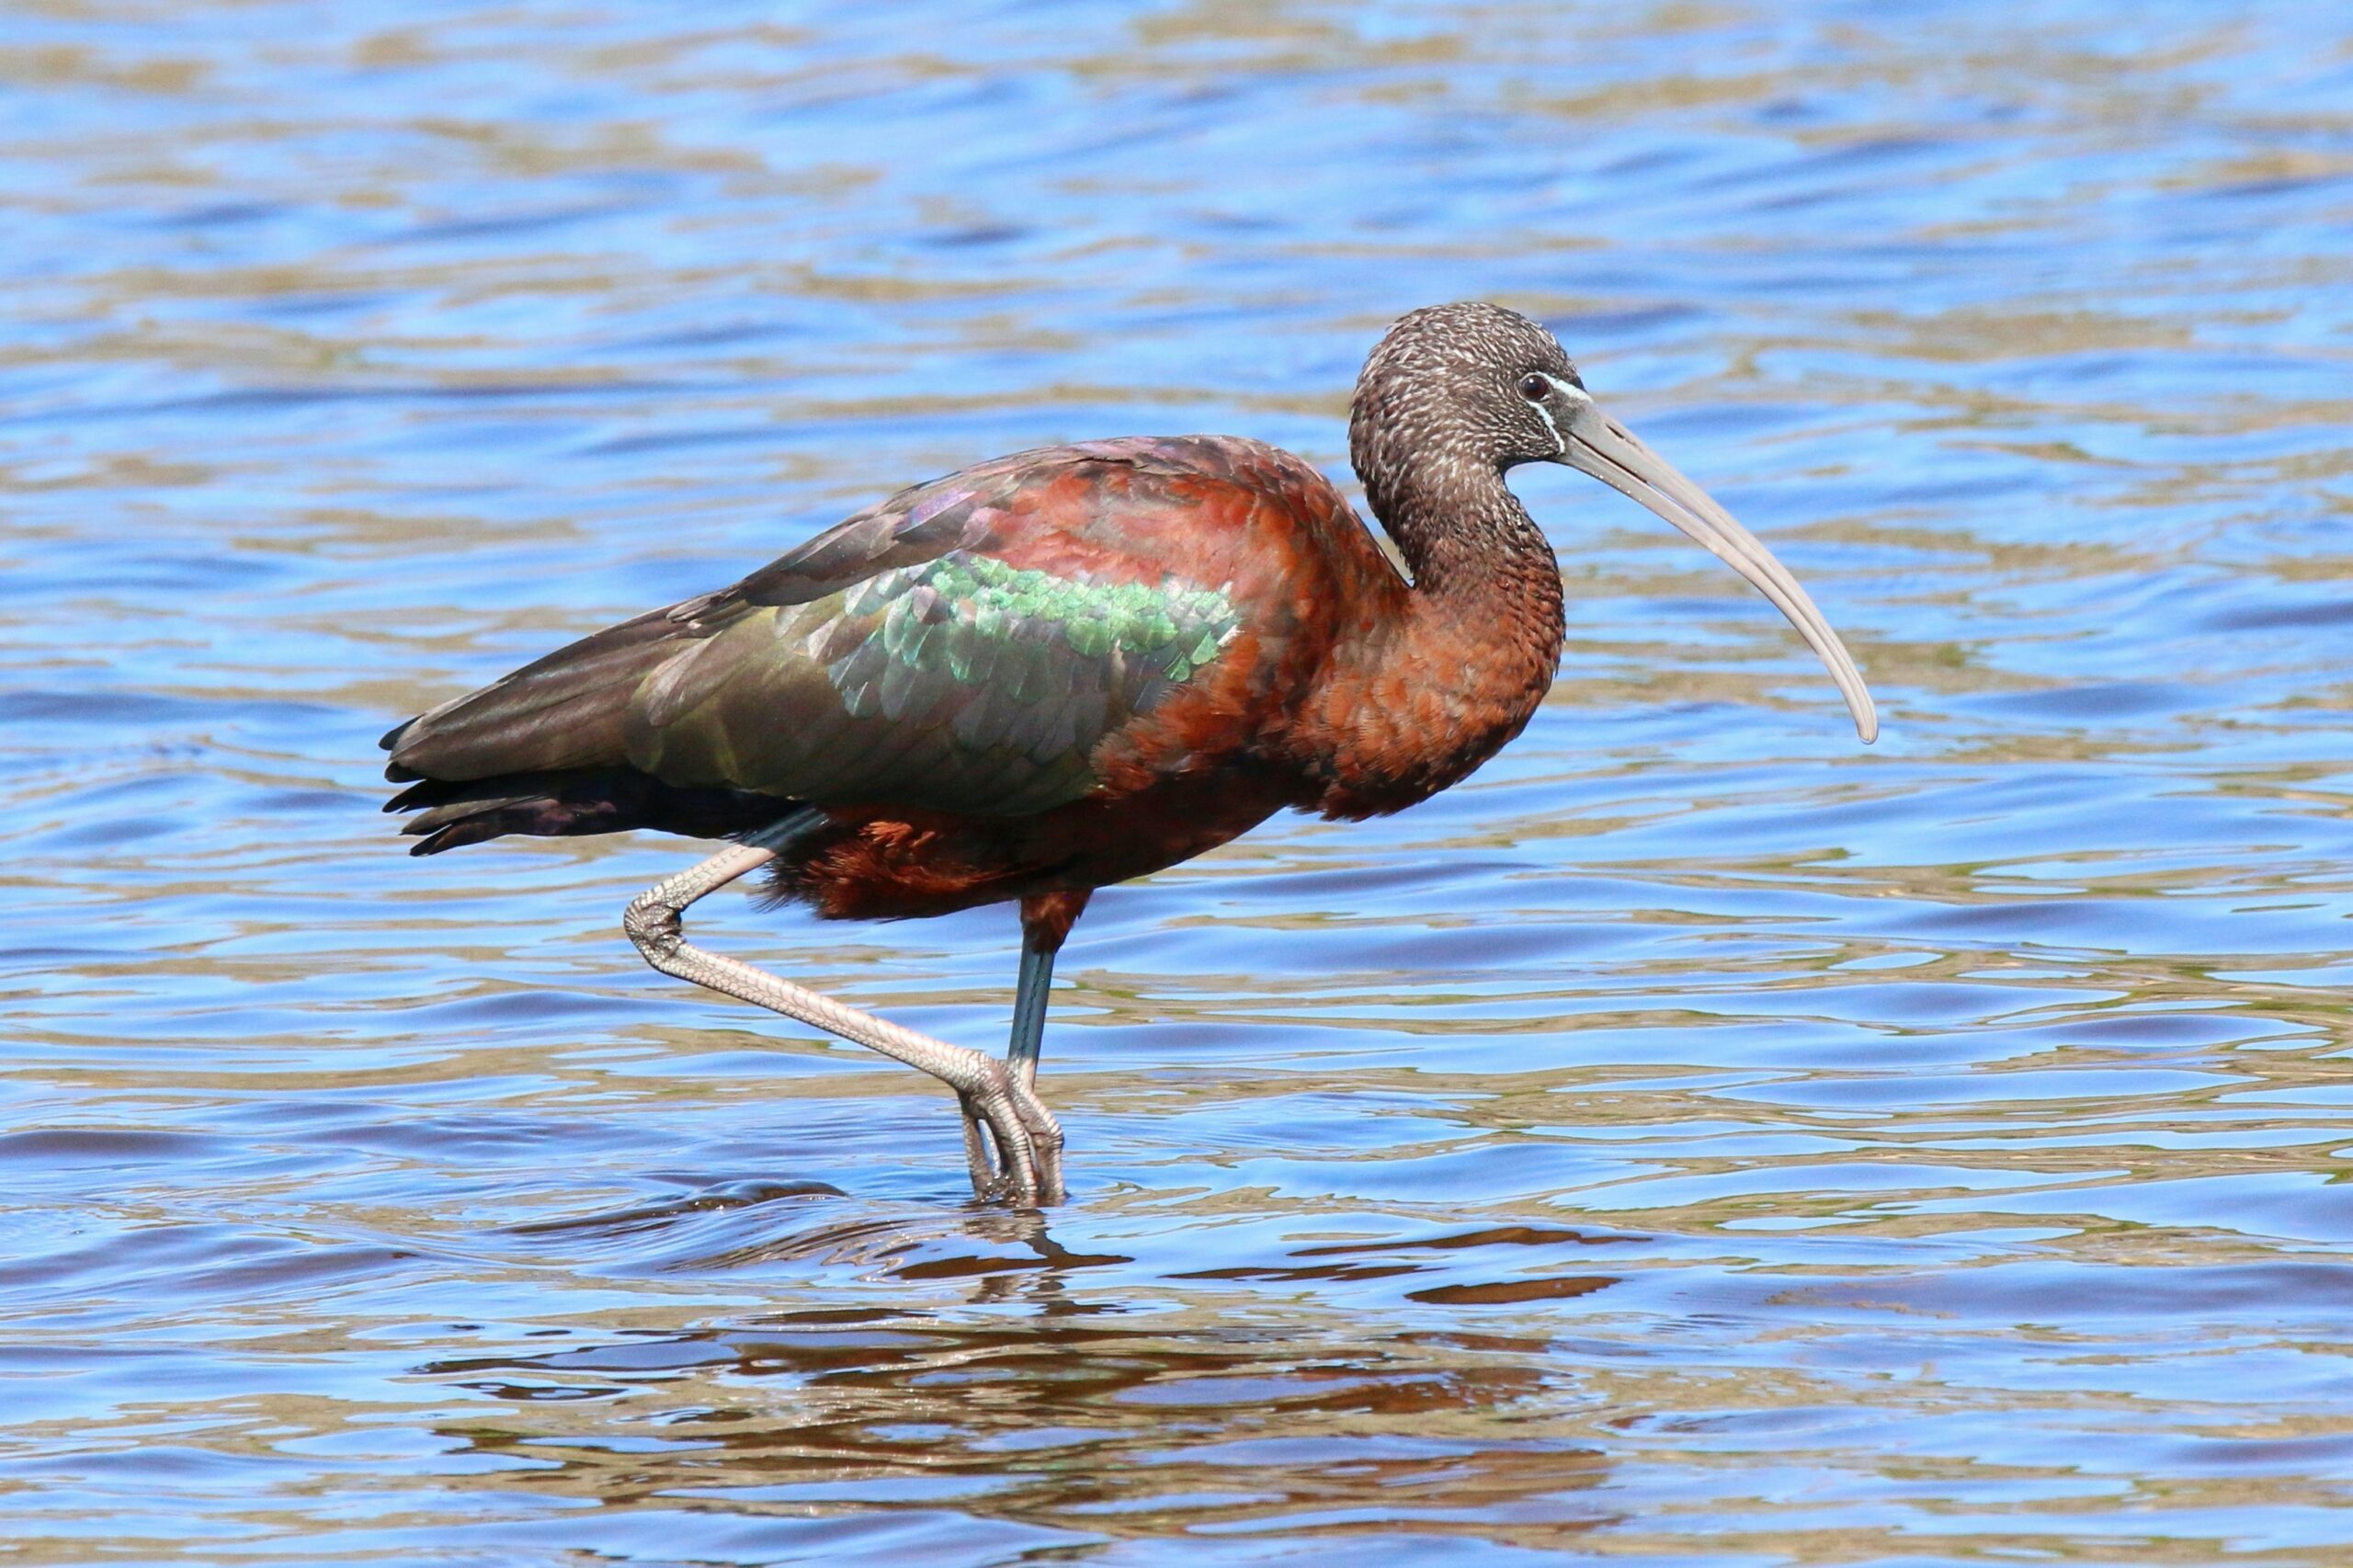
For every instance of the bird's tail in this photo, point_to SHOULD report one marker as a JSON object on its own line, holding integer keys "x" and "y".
{"x": 577, "y": 801}
{"x": 544, "y": 751}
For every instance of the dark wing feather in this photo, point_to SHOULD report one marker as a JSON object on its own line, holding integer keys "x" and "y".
{"x": 556, "y": 713}
{"x": 956, "y": 683}
{"x": 895, "y": 659}
{"x": 570, "y": 708}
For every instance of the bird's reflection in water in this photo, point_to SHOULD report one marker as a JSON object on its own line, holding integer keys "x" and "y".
{"x": 1052, "y": 1387}
{"x": 731, "y": 1227}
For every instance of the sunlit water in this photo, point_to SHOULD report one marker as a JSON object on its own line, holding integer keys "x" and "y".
{"x": 1699, "y": 1139}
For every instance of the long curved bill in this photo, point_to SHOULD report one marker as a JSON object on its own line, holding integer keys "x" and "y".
{"x": 1596, "y": 444}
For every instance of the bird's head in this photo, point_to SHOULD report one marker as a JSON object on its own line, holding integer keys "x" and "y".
{"x": 1453, "y": 393}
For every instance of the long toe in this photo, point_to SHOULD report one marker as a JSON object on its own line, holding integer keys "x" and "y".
{"x": 1024, "y": 1132}
{"x": 997, "y": 1100}
{"x": 1045, "y": 1141}
{"x": 976, "y": 1149}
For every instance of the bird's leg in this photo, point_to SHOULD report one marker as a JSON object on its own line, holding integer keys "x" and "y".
{"x": 1029, "y": 1010}
{"x": 1021, "y": 1060}
{"x": 1046, "y": 920}
{"x": 990, "y": 1092}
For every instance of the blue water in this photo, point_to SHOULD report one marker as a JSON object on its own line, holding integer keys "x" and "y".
{"x": 1697, "y": 1140}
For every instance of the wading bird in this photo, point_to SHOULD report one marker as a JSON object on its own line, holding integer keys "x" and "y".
{"x": 1072, "y": 666}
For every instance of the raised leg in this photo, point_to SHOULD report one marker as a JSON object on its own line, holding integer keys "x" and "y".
{"x": 1028, "y": 1140}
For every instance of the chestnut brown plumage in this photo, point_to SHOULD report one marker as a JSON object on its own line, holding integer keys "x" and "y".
{"x": 1072, "y": 666}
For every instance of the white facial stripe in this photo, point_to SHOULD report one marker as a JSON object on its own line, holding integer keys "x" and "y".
{"x": 1573, "y": 395}
{"x": 1560, "y": 444}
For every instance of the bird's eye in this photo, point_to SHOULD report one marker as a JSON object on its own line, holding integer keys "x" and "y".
{"x": 1533, "y": 387}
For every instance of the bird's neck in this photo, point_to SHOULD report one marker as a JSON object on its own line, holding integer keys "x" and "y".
{"x": 1430, "y": 694}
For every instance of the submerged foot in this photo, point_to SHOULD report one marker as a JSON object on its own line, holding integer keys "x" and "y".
{"x": 1018, "y": 1158}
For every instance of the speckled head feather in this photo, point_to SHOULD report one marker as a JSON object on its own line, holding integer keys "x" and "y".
{"x": 1440, "y": 393}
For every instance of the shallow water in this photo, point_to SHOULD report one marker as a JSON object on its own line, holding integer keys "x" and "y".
{"x": 1699, "y": 1139}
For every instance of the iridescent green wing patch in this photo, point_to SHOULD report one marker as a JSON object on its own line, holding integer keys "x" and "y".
{"x": 962, "y": 683}
{"x": 1018, "y": 673}
{"x": 969, "y": 614}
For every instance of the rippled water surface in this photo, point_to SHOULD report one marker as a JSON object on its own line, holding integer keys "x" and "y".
{"x": 1699, "y": 1139}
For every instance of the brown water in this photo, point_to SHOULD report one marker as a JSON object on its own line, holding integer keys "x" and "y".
{"x": 1698, "y": 1139}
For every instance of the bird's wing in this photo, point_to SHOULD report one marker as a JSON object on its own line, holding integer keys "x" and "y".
{"x": 914, "y": 654}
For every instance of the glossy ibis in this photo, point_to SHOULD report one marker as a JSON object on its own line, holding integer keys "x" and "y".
{"x": 1071, "y": 666}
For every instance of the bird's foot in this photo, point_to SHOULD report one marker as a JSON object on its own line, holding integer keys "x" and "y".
{"x": 1027, "y": 1169}
{"x": 1027, "y": 1139}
